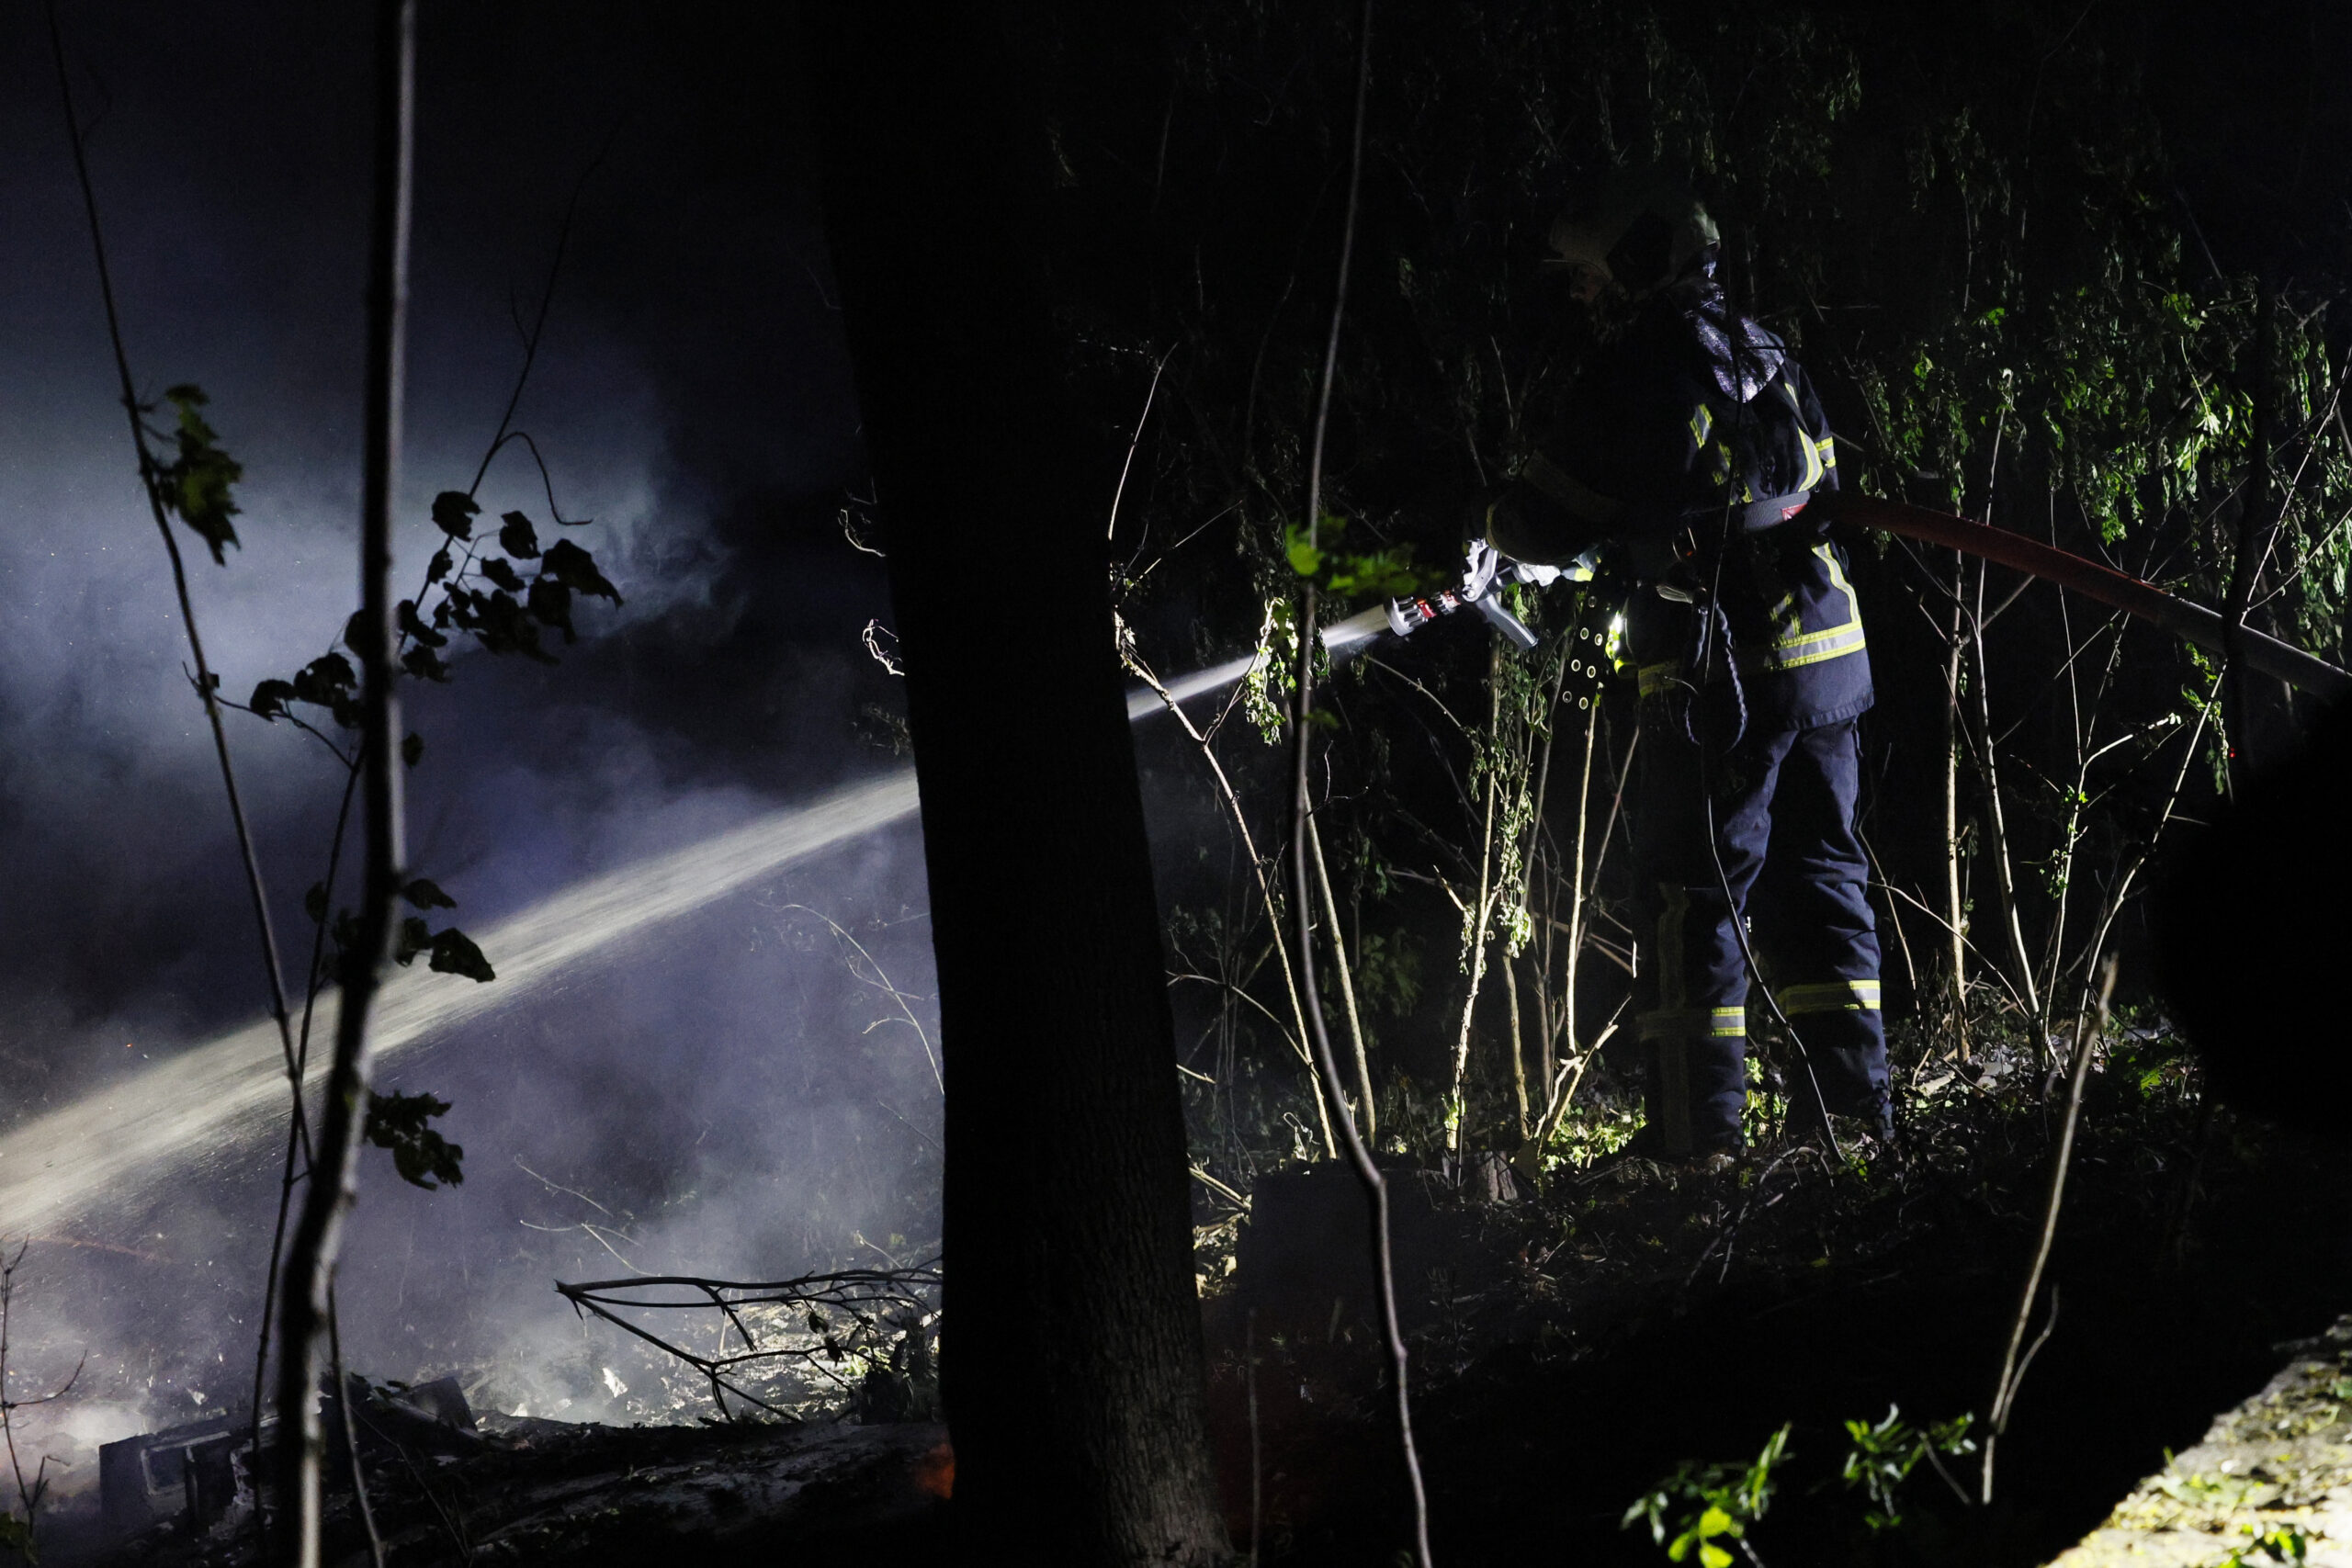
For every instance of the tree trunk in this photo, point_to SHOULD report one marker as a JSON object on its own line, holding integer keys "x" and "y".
{"x": 1074, "y": 1369}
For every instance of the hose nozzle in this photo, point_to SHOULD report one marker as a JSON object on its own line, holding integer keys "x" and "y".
{"x": 1483, "y": 570}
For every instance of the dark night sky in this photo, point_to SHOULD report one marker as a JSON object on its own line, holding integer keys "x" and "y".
{"x": 691, "y": 397}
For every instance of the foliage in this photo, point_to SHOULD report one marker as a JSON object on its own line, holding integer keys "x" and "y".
{"x": 1384, "y": 573}
{"x": 508, "y": 615}
{"x": 195, "y": 484}
{"x": 1971, "y": 233}
{"x": 1882, "y": 1457}
{"x": 402, "y": 1122}
{"x": 2279, "y": 1543}
{"x": 1589, "y": 1131}
{"x": 1699, "y": 1507}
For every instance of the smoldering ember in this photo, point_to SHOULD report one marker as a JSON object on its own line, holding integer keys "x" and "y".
{"x": 1318, "y": 783}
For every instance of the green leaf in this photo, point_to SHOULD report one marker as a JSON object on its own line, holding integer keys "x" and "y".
{"x": 413, "y": 938}
{"x": 501, "y": 623}
{"x": 196, "y": 484}
{"x": 455, "y": 953}
{"x": 1386, "y": 574}
{"x": 424, "y": 664}
{"x": 576, "y": 570}
{"x": 1306, "y": 557}
{"x": 516, "y": 537}
{"x": 270, "y": 698}
{"x": 550, "y": 603}
{"x": 416, "y": 630}
{"x": 427, "y": 895}
{"x": 453, "y": 513}
{"x": 1714, "y": 1556}
{"x": 422, "y": 1156}
{"x": 325, "y": 678}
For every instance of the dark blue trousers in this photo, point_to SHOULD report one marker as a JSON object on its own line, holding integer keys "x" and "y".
{"x": 1784, "y": 803}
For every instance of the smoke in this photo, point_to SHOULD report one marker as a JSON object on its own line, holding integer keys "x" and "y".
{"x": 677, "y": 1066}
{"x": 689, "y": 396}
{"x": 680, "y": 1067}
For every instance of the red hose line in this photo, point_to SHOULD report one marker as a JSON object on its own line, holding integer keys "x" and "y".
{"x": 2191, "y": 623}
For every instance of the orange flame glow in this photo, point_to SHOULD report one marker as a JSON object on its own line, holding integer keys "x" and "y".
{"x": 935, "y": 1472}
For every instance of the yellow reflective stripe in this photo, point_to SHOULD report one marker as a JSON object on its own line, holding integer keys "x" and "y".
{"x": 1830, "y": 996}
{"x": 1827, "y": 447}
{"x": 1798, "y": 648}
{"x": 1805, "y": 643}
{"x": 1693, "y": 1024}
{"x": 1812, "y": 454}
{"x": 1849, "y": 641}
{"x": 1565, "y": 488}
{"x": 1702, "y": 421}
{"x": 1651, "y": 679}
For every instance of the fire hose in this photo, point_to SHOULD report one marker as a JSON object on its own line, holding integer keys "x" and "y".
{"x": 2190, "y": 622}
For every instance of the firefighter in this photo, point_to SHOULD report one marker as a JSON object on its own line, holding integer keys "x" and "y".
{"x": 1688, "y": 451}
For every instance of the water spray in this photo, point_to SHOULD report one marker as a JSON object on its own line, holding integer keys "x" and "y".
{"x": 1484, "y": 574}
{"x": 211, "y": 1102}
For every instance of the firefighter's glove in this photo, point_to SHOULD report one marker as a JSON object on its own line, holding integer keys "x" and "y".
{"x": 1480, "y": 566}
{"x": 1485, "y": 569}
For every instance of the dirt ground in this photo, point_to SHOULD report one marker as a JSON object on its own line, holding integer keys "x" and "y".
{"x": 1572, "y": 1345}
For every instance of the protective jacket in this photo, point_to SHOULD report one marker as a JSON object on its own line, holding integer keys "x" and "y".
{"x": 1694, "y": 442}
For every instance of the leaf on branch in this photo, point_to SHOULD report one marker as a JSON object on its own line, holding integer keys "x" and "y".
{"x": 1385, "y": 574}
{"x": 414, "y": 937}
{"x": 454, "y": 511}
{"x": 454, "y": 953}
{"x": 500, "y": 570}
{"x": 550, "y": 603}
{"x": 422, "y": 1156}
{"x": 516, "y": 537}
{"x": 426, "y": 895}
{"x": 354, "y": 632}
{"x": 197, "y": 484}
{"x": 314, "y": 902}
{"x": 498, "y": 623}
{"x": 424, "y": 664}
{"x": 438, "y": 567}
{"x": 270, "y": 698}
{"x": 576, "y": 570}
{"x": 412, "y": 749}
{"x": 417, "y": 628}
{"x": 325, "y": 678}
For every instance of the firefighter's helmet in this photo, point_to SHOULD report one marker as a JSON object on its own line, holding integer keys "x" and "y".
{"x": 1640, "y": 230}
